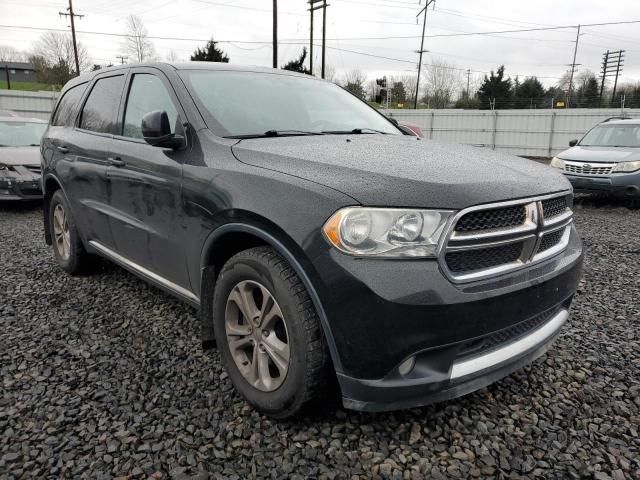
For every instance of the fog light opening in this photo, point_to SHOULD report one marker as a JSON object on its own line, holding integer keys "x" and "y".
{"x": 406, "y": 366}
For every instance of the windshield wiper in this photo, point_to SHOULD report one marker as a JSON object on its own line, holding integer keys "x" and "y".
{"x": 276, "y": 133}
{"x": 355, "y": 131}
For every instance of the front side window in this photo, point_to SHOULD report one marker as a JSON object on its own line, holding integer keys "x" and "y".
{"x": 252, "y": 103}
{"x": 65, "y": 113}
{"x": 147, "y": 94}
{"x": 21, "y": 134}
{"x": 612, "y": 136}
{"x": 99, "y": 112}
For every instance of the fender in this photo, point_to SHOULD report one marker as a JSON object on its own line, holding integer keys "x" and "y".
{"x": 277, "y": 245}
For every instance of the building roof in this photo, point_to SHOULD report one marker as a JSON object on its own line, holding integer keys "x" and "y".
{"x": 17, "y": 65}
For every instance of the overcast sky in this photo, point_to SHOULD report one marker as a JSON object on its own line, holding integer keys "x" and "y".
{"x": 350, "y": 26}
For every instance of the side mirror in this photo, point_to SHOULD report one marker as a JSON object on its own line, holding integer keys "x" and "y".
{"x": 156, "y": 130}
{"x": 573, "y": 143}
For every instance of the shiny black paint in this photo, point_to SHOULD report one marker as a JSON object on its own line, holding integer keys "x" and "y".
{"x": 170, "y": 210}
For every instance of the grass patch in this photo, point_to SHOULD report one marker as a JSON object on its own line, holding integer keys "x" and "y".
{"x": 30, "y": 86}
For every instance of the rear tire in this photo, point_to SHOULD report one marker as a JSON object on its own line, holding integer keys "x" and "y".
{"x": 268, "y": 333}
{"x": 67, "y": 244}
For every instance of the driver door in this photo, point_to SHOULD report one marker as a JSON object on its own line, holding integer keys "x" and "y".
{"x": 146, "y": 181}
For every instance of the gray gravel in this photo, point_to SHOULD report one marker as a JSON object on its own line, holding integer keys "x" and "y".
{"x": 103, "y": 376}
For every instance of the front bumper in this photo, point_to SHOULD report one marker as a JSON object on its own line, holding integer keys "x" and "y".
{"x": 619, "y": 183}
{"x": 20, "y": 183}
{"x": 460, "y": 337}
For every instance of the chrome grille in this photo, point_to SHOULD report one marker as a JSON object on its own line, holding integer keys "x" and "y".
{"x": 493, "y": 239}
{"x": 585, "y": 168}
{"x": 490, "y": 219}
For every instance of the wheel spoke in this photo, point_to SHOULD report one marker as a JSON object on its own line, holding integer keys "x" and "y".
{"x": 263, "y": 369}
{"x": 278, "y": 351}
{"x": 236, "y": 343}
{"x": 271, "y": 315}
{"x": 237, "y": 329}
{"x": 242, "y": 297}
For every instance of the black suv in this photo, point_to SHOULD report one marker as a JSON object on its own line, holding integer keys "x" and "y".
{"x": 319, "y": 242}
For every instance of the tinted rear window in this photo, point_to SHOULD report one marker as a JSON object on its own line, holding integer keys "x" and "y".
{"x": 65, "y": 113}
{"x": 99, "y": 112}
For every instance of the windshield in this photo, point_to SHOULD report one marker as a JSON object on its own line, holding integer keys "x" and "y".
{"x": 612, "y": 136}
{"x": 21, "y": 134}
{"x": 250, "y": 103}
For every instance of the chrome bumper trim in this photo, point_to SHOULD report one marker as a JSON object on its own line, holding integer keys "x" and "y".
{"x": 512, "y": 350}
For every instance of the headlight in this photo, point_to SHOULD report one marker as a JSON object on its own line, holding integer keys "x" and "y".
{"x": 386, "y": 232}
{"x": 557, "y": 163}
{"x": 627, "y": 166}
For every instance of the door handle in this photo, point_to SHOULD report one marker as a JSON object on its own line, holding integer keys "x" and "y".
{"x": 62, "y": 149}
{"x": 115, "y": 161}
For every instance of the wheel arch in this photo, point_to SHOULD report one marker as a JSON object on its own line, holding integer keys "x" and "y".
{"x": 247, "y": 233}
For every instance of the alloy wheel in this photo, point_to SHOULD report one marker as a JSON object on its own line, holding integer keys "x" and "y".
{"x": 61, "y": 233}
{"x": 257, "y": 335}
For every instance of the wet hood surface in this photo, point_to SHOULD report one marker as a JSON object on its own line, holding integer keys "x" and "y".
{"x": 20, "y": 156}
{"x": 389, "y": 170}
{"x": 601, "y": 154}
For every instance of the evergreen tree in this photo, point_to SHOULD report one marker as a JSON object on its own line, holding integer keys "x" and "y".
{"x": 495, "y": 87}
{"x": 588, "y": 95}
{"x": 398, "y": 93}
{"x": 529, "y": 94}
{"x": 298, "y": 64}
{"x": 210, "y": 53}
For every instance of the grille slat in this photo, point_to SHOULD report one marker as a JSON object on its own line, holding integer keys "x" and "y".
{"x": 483, "y": 258}
{"x": 492, "y": 219}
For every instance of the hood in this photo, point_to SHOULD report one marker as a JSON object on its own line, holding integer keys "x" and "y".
{"x": 402, "y": 171}
{"x": 601, "y": 154}
{"x": 20, "y": 155}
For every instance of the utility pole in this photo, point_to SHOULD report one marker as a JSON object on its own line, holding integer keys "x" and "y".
{"x": 573, "y": 68}
{"x": 72, "y": 15}
{"x": 468, "y": 81}
{"x": 620, "y": 62}
{"x": 422, "y": 50}
{"x": 275, "y": 33}
{"x": 612, "y": 63}
{"x": 122, "y": 58}
{"x": 312, "y": 8}
{"x": 324, "y": 33}
{"x": 6, "y": 70}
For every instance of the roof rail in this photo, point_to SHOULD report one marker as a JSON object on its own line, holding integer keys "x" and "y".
{"x": 616, "y": 118}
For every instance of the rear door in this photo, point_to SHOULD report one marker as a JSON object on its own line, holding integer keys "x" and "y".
{"x": 87, "y": 148}
{"x": 146, "y": 181}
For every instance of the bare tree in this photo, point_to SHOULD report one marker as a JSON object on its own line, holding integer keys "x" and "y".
{"x": 56, "y": 48}
{"x": 137, "y": 43}
{"x": 442, "y": 81}
{"x": 172, "y": 56}
{"x": 330, "y": 73}
{"x": 10, "y": 54}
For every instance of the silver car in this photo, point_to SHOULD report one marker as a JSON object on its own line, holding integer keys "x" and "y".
{"x": 20, "y": 157}
{"x": 605, "y": 160}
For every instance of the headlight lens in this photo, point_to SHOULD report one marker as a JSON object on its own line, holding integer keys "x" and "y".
{"x": 627, "y": 166}
{"x": 386, "y": 232}
{"x": 557, "y": 162}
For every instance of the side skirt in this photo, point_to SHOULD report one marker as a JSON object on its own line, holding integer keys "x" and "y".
{"x": 151, "y": 277}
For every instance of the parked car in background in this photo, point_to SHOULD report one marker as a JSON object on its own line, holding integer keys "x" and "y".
{"x": 410, "y": 129}
{"x": 20, "y": 157}
{"x": 319, "y": 241}
{"x": 606, "y": 159}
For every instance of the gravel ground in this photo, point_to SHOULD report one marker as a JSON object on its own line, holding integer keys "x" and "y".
{"x": 103, "y": 376}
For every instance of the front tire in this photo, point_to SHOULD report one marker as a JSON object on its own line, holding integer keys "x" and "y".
{"x": 67, "y": 244}
{"x": 268, "y": 333}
